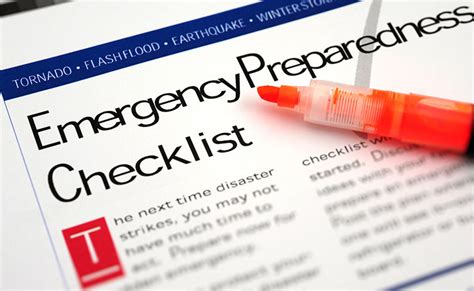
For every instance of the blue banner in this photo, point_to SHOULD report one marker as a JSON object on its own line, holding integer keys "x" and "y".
{"x": 79, "y": 65}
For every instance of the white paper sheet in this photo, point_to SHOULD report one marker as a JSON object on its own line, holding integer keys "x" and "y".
{"x": 371, "y": 213}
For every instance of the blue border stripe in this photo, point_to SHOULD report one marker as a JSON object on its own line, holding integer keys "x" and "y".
{"x": 432, "y": 275}
{"x": 75, "y": 60}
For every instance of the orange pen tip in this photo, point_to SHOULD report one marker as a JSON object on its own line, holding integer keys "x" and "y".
{"x": 268, "y": 93}
{"x": 284, "y": 96}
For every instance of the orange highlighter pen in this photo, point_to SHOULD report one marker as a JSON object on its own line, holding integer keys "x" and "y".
{"x": 412, "y": 118}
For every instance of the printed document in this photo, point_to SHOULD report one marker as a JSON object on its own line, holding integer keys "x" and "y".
{"x": 137, "y": 154}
